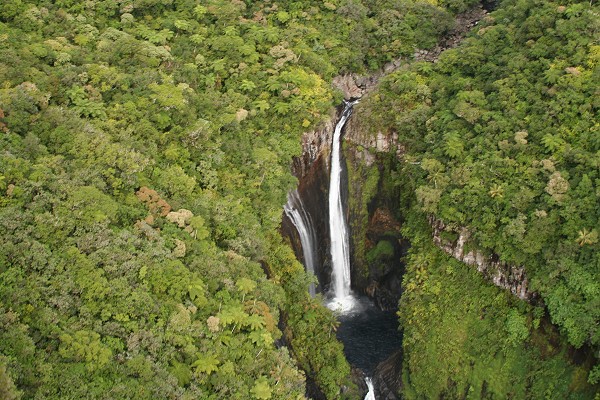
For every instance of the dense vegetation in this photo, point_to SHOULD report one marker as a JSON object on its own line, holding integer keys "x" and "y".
{"x": 144, "y": 164}
{"x": 144, "y": 160}
{"x": 502, "y": 138}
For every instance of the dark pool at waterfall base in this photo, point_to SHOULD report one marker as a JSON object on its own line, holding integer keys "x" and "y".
{"x": 369, "y": 335}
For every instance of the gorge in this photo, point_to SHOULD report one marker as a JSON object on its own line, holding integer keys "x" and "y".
{"x": 369, "y": 335}
{"x": 166, "y": 176}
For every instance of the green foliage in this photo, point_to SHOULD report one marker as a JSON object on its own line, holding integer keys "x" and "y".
{"x": 500, "y": 138}
{"x": 382, "y": 251}
{"x": 8, "y": 390}
{"x": 364, "y": 186}
{"x": 462, "y": 335}
{"x": 111, "y": 117}
{"x": 516, "y": 327}
{"x": 85, "y": 346}
{"x": 261, "y": 389}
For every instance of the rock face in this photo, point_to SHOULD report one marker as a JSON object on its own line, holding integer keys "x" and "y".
{"x": 463, "y": 24}
{"x": 313, "y": 188}
{"x": 348, "y": 85}
{"x": 315, "y": 144}
{"x": 385, "y": 273}
{"x": 387, "y": 378}
{"x": 312, "y": 171}
{"x": 380, "y": 142}
{"x": 503, "y": 275}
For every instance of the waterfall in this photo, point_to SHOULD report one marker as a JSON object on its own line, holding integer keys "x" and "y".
{"x": 295, "y": 211}
{"x": 371, "y": 394}
{"x": 340, "y": 254}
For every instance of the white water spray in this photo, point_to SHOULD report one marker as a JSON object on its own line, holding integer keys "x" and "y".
{"x": 371, "y": 394}
{"x": 340, "y": 254}
{"x": 295, "y": 211}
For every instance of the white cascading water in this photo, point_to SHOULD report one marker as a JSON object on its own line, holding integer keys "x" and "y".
{"x": 371, "y": 394}
{"x": 295, "y": 211}
{"x": 338, "y": 231}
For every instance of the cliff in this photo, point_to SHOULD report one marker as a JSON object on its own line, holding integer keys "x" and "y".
{"x": 501, "y": 274}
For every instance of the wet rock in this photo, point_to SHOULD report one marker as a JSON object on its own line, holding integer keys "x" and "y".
{"x": 313, "y": 188}
{"x": 358, "y": 377}
{"x": 387, "y": 378}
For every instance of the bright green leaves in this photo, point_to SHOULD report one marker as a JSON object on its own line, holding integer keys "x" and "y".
{"x": 151, "y": 98}
{"x": 196, "y": 292}
{"x": 552, "y": 143}
{"x": 155, "y": 37}
{"x": 247, "y": 85}
{"x": 168, "y": 95}
{"x": 281, "y": 108}
{"x": 261, "y": 105}
{"x": 261, "y": 389}
{"x": 85, "y": 346}
{"x": 83, "y": 105}
{"x": 206, "y": 364}
{"x": 175, "y": 181}
{"x": 89, "y": 205}
{"x": 199, "y": 11}
{"x": 454, "y": 145}
{"x": 283, "y": 17}
{"x": 245, "y": 286}
{"x": 199, "y": 229}
{"x": 516, "y": 327}
{"x": 428, "y": 196}
{"x": 171, "y": 278}
{"x": 233, "y": 315}
{"x": 183, "y": 25}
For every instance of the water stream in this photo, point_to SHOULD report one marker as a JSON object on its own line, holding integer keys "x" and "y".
{"x": 338, "y": 230}
{"x": 371, "y": 394}
{"x": 301, "y": 220}
{"x": 369, "y": 334}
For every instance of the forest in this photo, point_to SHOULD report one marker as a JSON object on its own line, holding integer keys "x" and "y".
{"x": 145, "y": 158}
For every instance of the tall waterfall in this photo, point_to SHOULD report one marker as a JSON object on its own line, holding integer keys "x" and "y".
{"x": 295, "y": 211}
{"x": 340, "y": 254}
{"x": 371, "y": 394}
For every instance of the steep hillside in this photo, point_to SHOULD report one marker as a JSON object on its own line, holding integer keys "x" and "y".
{"x": 500, "y": 145}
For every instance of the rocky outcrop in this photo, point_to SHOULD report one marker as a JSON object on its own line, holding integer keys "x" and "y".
{"x": 385, "y": 271}
{"x": 315, "y": 144}
{"x": 387, "y": 378}
{"x": 313, "y": 188}
{"x": 348, "y": 85}
{"x": 354, "y": 86}
{"x": 380, "y": 142}
{"x": 502, "y": 274}
{"x": 463, "y": 24}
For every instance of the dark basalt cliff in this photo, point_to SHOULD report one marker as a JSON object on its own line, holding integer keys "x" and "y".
{"x": 312, "y": 171}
